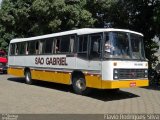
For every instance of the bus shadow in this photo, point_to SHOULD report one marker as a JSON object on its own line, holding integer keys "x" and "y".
{"x": 103, "y": 95}
{"x": 109, "y": 95}
{"x": 18, "y": 79}
{"x": 44, "y": 84}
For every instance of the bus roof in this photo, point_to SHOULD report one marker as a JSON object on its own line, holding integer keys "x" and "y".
{"x": 82, "y": 31}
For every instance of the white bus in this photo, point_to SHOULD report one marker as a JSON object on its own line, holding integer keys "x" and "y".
{"x": 84, "y": 58}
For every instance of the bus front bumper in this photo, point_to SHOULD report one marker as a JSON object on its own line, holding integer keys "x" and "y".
{"x": 124, "y": 84}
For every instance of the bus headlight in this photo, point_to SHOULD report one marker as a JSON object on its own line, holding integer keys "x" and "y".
{"x": 115, "y": 71}
{"x": 145, "y": 73}
{"x": 115, "y": 74}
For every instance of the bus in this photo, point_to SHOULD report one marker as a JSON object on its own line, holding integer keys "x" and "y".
{"x": 86, "y": 58}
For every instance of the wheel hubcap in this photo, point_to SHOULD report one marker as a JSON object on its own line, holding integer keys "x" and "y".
{"x": 27, "y": 77}
{"x": 80, "y": 84}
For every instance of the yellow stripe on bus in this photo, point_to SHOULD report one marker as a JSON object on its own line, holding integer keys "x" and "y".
{"x": 93, "y": 81}
{"x": 16, "y": 71}
{"x": 51, "y": 76}
{"x": 124, "y": 84}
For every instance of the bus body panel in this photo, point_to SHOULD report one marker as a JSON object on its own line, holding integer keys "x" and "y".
{"x": 53, "y": 68}
{"x": 131, "y": 69}
{"x": 109, "y": 66}
{"x": 45, "y": 61}
{"x": 91, "y": 69}
{"x": 88, "y": 65}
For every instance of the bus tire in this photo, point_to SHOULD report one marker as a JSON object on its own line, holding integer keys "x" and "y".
{"x": 28, "y": 77}
{"x": 79, "y": 86}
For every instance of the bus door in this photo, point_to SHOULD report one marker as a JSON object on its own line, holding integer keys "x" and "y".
{"x": 95, "y": 52}
{"x": 89, "y": 47}
{"x": 82, "y": 52}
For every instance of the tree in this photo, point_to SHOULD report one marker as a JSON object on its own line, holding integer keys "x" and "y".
{"x": 157, "y": 19}
{"x": 26, "y": 18}
{"x": 100, "y": 10}
{"x": 76, "y": 15}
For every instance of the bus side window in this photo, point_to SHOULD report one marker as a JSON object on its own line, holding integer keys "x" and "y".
{"x": 95, "y": 46}
{"x": 22, "y": 48}
{"x": 82, "y": 46}
{"x": 49, "y": 45}
{"x": 12, "y": 49}
{"x": 65, "y": 43}
{"x": 32, "y": 47}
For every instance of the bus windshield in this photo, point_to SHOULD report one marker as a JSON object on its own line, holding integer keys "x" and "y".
{"x": 123, "y": 46}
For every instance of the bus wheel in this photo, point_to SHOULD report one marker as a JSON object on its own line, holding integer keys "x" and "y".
{"x": 28, "y": 77}
{"x": 79, "y": 86}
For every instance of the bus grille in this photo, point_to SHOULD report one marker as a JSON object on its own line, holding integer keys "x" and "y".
{"x": 130, "y": 73}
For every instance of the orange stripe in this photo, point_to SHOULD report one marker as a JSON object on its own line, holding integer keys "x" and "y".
{"x": 124, "y": 84}
{"x": 93, "y": 81}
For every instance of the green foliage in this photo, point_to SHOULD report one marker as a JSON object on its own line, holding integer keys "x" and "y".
{"x": 101, "y": 10}
{"x": 76, "y": 16}
{"x": 157, "y": 19}
{"x": 26, "y": 18}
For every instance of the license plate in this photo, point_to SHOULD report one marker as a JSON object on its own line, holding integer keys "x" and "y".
{"x": 132, "y": 84}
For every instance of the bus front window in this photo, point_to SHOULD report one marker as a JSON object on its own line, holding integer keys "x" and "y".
{"x": 117, "y": 45}
{"x": 137, "y": 47}
{"x": 123, "y": 45}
